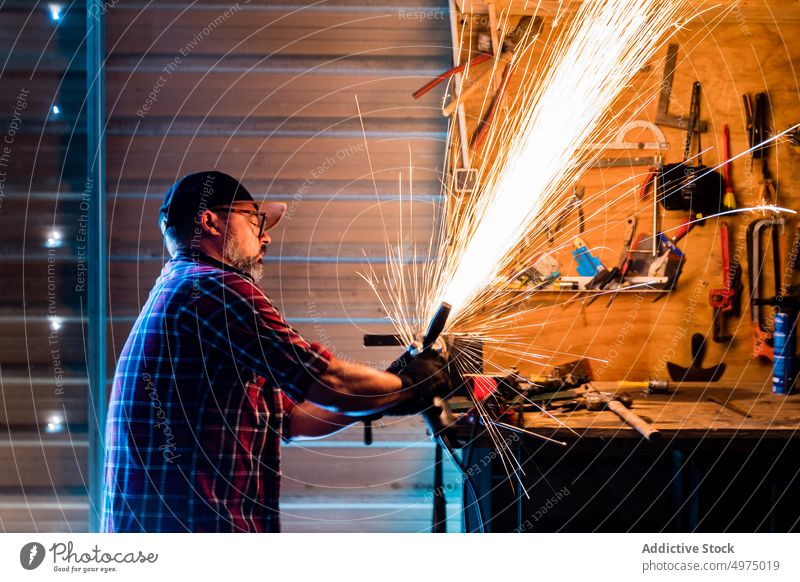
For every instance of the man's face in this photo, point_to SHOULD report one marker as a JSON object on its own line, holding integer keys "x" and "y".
{"x": 242, "y": 247}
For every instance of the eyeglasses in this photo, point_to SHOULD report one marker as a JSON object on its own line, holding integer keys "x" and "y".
{"x": 262, "y": 217}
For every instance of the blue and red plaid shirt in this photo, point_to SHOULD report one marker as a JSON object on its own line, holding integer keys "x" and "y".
{"x": 196, "y": 414}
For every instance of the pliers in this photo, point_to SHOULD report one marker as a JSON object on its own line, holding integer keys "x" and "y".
{"x": 605, "y": 278}
{"x": 575, "y": 202}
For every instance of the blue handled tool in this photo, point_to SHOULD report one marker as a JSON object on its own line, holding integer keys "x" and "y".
{"x": 588, "y": 264}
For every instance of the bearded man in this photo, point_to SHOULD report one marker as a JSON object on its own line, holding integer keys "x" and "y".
{"x": 212, "y": 379}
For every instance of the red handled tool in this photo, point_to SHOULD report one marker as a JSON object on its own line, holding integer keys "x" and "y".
{"x": 626, "y": 265}
{"x": 652, "y": 172}
{"x": 476, "y": 60}
{"x": 684, "y": 229}
{"x": 729, "y": 201}
{"x": 721, "y": 299}
{"x": 483, "y": 131}
{"x": 510, "y": 43}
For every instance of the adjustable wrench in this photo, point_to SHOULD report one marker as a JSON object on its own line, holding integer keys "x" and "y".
{"x": 721, "y": 299}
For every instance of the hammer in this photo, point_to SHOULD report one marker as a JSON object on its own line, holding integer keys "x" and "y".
{"x": 619, "y": 405}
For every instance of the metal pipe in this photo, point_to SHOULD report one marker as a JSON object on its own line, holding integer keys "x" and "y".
{"x": 96, "y": 306}
{"x": 462, "y": 117}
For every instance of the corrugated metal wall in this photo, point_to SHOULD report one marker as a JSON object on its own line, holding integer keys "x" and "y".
{"x": 267, "y": 93}
{"x": 42, "y": 360}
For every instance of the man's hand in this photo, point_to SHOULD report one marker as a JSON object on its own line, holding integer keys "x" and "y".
{"x": 426, "y": 376}
{"x": 360, "y": 391}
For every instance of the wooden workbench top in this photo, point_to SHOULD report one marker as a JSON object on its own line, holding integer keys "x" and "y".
{"x": 688, "y": 412}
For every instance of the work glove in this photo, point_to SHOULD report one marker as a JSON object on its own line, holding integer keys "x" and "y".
{"x": 426, "y": 376}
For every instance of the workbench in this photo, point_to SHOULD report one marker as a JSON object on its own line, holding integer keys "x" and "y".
{"x": 713, "y": 469}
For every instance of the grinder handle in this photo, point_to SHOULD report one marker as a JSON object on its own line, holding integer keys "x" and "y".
{"x": 643, "y": 428}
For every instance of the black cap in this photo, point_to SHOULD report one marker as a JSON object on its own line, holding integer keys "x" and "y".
{"x": 200, "y": 191}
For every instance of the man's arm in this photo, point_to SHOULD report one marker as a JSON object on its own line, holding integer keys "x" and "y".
{"x": 309, "y": 421}
{"x": 346, "y": 387}
{"x": 254, "y": 335}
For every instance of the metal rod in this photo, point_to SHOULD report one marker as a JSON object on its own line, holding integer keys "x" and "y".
{"x": 655, "y": 209}
{"x": 96, "y": 253}
{"x": 462, "y": 117}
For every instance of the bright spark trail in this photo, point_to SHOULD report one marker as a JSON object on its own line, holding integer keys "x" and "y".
{"x": 594, "y": 59}
{"x": 565, "y": 102}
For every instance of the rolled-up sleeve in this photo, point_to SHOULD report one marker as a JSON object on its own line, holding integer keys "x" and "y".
{"x": 241, "y": 323}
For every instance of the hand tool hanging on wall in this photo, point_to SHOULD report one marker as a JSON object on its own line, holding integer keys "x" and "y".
{"x": 756, "y": 113}
{"x": 575, "y": 202}
{"x": 488, "y": 119}
{"x": 510, "y": 43}
{"x": 723, "y": 300}
{"x": 649, "y": 179}
{"x": 588, "y": 264}
{"x": 667, "y": 262}
{"x": 692, "y": 187}
{"x": 626, "y": 263}
{"x": 684, "y": 229}
{"x": 673, "y": 176}
{"x": 729, "y": 202}
{"x": 621, "y": 142}
{"x": 614, "y": 278}
{"x": 695, "y": 372}
{"x": 663, "y": 116}
{"x": 625, "y": 162}
{"x": 471, "y": 62}
{"x": 762, "y": 337}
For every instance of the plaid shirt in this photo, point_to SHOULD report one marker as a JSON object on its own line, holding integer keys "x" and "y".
{"x": 197, "y": 408}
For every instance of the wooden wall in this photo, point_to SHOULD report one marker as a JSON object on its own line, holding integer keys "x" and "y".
{"x": 746, "y": 50}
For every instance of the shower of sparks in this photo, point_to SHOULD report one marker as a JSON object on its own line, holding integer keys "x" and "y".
{"x": 539, "y": 153}
{"x": 592, "y": 62}
{"x": 567, "y": 101}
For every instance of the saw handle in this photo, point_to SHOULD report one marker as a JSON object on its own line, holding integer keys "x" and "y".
{"x": 647, "y": 431}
